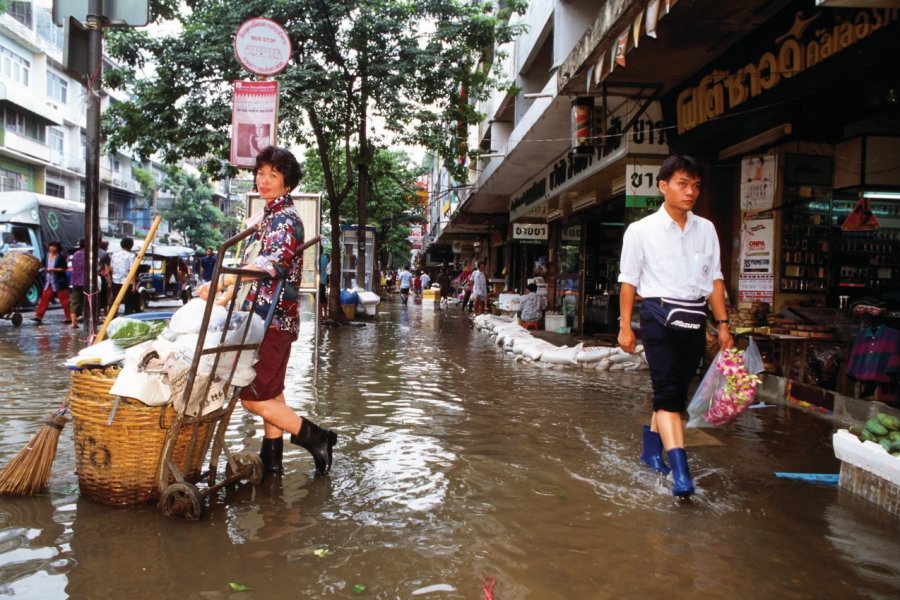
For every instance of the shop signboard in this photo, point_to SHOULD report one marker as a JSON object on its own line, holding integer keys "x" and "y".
{"x": 646, "y": 136}
{"x": 530, "y": 231}
{"x": 642, "y": 195}
{"x": 571, "y": 233}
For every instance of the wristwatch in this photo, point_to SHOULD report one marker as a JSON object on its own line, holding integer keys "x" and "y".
{"x": 721, "y": 321}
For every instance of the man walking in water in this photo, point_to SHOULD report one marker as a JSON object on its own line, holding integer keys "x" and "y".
{"x": 671, "y": 260}
{"x": 405, "y": 279}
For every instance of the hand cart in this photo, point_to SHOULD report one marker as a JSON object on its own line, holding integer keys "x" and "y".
{"x": 182, "y": 496}
{"x": 18, "y": 270}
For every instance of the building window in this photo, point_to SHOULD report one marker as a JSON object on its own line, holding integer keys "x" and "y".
{"x": 21, "y": 12}
{"x": 24, "y": 124}
{"x": 56, "y": 139}
{"x": 57, "y": 88}
{"x": 48, "y": 30}
{"x": 55, "y": 189}
{"x": 14, "y": 66}
{"x": 10, "y": 181}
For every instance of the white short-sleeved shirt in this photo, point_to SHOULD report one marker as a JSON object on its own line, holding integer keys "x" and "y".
{"x": 663, "y": 261}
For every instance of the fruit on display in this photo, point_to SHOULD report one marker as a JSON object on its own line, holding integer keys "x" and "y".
{"x": 883, "y": 429}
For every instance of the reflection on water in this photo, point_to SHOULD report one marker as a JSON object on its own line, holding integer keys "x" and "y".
{"x": 455, "y": 463}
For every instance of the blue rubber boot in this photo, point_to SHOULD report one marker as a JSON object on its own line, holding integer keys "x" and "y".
{"x": 652, "y": 453}
{"x": 683, "y": 485}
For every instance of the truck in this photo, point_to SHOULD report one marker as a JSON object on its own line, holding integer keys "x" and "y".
{"x": 30, "y": 221}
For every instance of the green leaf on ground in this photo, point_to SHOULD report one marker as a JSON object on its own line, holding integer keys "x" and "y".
{"x": 239, "y": 588}
{"x": 321, "y": 552}
{"x": 359, "y": 588}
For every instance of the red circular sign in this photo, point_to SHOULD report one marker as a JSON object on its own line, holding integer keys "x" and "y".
{"x": 262, "y": 46}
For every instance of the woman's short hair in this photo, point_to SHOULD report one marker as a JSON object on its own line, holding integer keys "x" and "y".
{"x": 283, "y": 161}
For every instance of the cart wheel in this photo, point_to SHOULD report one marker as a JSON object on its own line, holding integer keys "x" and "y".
{"x": 181, "y": 499}
{"x": 249, "y": 463}
{"x": 16, "y": 319}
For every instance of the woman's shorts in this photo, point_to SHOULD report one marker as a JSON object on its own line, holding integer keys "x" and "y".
{"x": 271, "y": 367}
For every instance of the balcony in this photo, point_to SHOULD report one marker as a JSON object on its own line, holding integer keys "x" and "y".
{"x": 25, "y": 145}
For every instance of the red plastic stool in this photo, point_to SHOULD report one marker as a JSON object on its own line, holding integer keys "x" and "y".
{"x": 530, "y": 325}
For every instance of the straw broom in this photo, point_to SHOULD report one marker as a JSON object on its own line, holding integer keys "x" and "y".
{"x": 29, "y": 471}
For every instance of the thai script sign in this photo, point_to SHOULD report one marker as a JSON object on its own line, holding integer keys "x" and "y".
{"x": 808, "y": 42}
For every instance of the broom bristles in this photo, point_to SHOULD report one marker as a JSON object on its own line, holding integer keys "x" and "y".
{"x": 29, "y": 471}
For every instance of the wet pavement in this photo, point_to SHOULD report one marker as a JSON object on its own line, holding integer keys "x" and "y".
{"x": 456, "y": 465}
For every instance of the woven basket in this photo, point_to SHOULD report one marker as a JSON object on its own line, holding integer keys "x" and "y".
{"x": 17, "y": 272}
{"x": 117, "y": 463}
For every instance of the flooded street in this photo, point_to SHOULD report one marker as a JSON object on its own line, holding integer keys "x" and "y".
{"x": 455, "y": 465}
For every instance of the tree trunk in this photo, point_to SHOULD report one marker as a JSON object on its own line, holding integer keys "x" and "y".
{"x": 363, "y": 196}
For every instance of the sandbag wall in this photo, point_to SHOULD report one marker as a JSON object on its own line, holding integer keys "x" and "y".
{"x": 518, "y": 341}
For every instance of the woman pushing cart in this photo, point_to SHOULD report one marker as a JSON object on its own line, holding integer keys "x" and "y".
{"x": 279, "y": 235}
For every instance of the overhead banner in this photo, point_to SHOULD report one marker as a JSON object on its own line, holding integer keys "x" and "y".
{"x": 254, "y": 116}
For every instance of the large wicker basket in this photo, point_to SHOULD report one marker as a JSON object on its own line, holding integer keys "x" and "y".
{"x": 117, "y": 462}
{"x": 17, "y": 272}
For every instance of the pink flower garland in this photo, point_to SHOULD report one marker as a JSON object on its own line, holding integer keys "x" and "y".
{"x": 736, "y": 394}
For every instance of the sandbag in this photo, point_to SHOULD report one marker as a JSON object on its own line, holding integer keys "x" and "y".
{"x": 591, "y": 354}
{"x": 535, "y": 351}
{"x": 562, "y": 356}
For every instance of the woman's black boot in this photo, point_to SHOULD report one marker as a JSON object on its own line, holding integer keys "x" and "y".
{"x": 270, "y": 453}
{"x": 318, "y": 442}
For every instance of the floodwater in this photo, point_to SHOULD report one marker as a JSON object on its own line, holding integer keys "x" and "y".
{"x": 456, "y": 468}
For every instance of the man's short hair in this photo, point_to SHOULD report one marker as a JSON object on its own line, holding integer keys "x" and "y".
{"x": 679, "y": 162}
{"x": 532, "y": 287}
{"x": 127, "y": 243}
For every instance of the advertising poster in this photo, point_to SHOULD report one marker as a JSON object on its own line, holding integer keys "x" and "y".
{"x": 254, "y": 116}
{"x": 758, "y": 182}
{"x": 756, "y": 280}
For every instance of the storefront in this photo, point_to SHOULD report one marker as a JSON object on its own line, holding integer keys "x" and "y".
{"x": 581, "y": 198}
{"x": 801, "y": 127}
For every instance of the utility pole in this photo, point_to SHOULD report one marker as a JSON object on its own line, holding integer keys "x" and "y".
{"x": 94, "y": 25}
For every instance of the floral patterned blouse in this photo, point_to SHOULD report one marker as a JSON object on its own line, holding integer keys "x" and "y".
{"x": 280, "y": 233}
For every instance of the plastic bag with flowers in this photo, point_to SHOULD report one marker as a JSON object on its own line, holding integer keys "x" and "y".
{"x": 728, "y": 387}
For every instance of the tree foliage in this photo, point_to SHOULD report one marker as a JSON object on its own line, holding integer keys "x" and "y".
{"x": 415, "y": 65}
{"x": 192, "y": 213}
{"x": 391, "y": 206}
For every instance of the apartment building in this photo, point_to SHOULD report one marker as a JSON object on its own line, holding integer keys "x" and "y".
{"x": 42, "y": 141}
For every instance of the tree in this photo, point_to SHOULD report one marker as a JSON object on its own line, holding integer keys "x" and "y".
{"x": 404, "y": 62}
{"x": 193, "y": 214}
{"x": 389, "y": 207}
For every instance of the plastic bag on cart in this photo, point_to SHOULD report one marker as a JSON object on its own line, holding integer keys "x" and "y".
{"x": 189, "y": 317}
{"x": 126, "y": 332}
{"x": 242, "y": 366}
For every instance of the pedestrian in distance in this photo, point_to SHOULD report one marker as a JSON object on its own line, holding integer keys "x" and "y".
{"x": 120, "y": 265}
{"x": 405, "y": 281}
{"x": 671, "y": 260}
{"x": 479, "y": 288}
{"x": 443, "y": 280}
{"x": 105, "y": 272}
{"x": 324, "y": 272}
{"x": 207, "y": 265}
{"x": 531, "y": 308}
{"x": 425, "y": 280}
{"x": 55, "y": 283}
{"x": 76, "y": 293}
{"x": 280, "y": 233}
